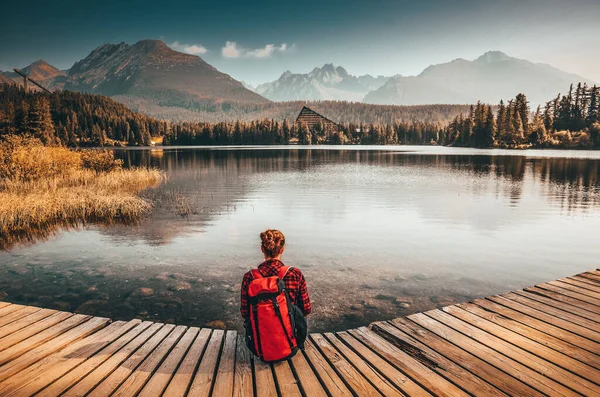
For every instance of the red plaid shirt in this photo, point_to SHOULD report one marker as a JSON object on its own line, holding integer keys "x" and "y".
{"x": 294, "y": 283}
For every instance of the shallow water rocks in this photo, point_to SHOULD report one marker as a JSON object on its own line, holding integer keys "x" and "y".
{"x": 144, "y": 291}
{"x": 403, "y": 301}
{"x": 92, "y": 306}
{"x": 180, "y": 286}
{"x": 216, "y": 324}
{"x": 3, "y": 295}
{"x": 442, "y": 301}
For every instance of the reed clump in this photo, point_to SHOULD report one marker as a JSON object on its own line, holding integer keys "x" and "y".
{"x": 44, "y": 187}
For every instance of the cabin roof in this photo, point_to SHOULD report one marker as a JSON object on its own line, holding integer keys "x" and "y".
{"x": 311, "y": 117}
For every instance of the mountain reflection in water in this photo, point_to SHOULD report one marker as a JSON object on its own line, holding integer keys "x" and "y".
{"x": 404, "y": 230}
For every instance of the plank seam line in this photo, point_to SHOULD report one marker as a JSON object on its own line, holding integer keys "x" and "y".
{"x": 313, "y": 368}
{"x": 588, "y": 282}
{"x": 528, "y": 295}
{"x": 3, "y": 348}
{"x": 529, "y": 302}
{"x": 217, "y": 363}
{"x": 195, "y": 371}
{"x": 119, "y": 364}
{"x": 554, "y": 325}
{"x": 318, "y": 349}
{"x": 277, "y": 389}
{"x": 539, "y": 330}
{"x": 358, "y": 370}
{"x": 20, "y": 318}
{"x": 90, "y": 356}
{"x": 586, "y": 292}
{"x": 519, "y": 350}
{"x": 556, "y": 364}
{"x": 443, "y": 371}
{"x": 561, "y": 292}
{"x": 178, "y": 364}
{"x": 295, "y": 373}
{"x": 161, "y": 360}
{"x": 546, "y": 346}
{"x": 480, "y": 358}
{"x": 93, "y": 355}
{"x": 144, "y": 359}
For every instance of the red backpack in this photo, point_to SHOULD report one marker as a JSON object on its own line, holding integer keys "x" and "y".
{"x": 272, "y": 333}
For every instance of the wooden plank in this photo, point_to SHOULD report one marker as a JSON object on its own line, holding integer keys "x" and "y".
{"x": 544, "y": 327}
{"x": 429, "y": 379}
{"x": 370, "y": 373}
{"x": 572, "y": 287}
{"x": 564, "y": 315}
{"x": 183, "y": 377}
{"x": 589, "y": 282}
{"x": 21, "y": 342}
{"x": 572, "y": 301}
{"x": 265, "y": 382}
{"x": 543, "y": 316}
{"x": 508, "y": 365}
{"x": 100, "y": 372}
{"x": 243, "y": 385}
{"x": 407, "y": 385}
{"x": 461, "y": 368}
{"x": 159, "y": 381}
{"x": 44, "y": 372}
{"x": 285, "y": 380}
{"x": 555, "y": 366}
{"x": 78, "y": 373}
{"x": 109, "y": 385}
{"x": 205, "y": 375}
{"x": 560, "y": 305}
{"x": 35, "y": 334}
{"x": 9, "y": 318}
{"x": 549, "y": 340}
{"x": 226, "y": 370}
{"x": 4, "y": 304}
{"x": 590, "y": 276}
{"x": 10, "y": 309}
{"x": 137, "y": 378}
{"x": 569, "y": 290}
{"x": 308, "y": 379}
{"x": 40, "y": 352}
{"x": 24, "y": 321}
{"x": 584, "y": 283}
{"x": 353, "y": 378}
{"x": 329, "y": 378}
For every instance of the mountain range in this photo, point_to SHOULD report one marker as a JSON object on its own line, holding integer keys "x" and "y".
{"x": 326, "y": 83}
{"x": 489, "y": 78}
{"x": 150, "y": 77}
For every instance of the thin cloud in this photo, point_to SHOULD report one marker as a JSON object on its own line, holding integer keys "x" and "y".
{"x": 233, "y": 50}
{"x": 194, "y": 49}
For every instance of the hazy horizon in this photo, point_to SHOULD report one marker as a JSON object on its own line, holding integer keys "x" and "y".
{"x": 257, "y": 44}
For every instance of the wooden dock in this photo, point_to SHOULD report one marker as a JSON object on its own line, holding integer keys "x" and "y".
{"x": 539, "y": 341}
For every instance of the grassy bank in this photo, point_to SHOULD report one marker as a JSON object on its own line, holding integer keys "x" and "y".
{"x": 43, "y": 188}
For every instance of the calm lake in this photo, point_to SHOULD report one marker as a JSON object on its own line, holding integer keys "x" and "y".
{"x": 378, "y": 232}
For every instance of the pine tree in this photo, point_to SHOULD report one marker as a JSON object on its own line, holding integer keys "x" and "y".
{"x": 40, "y": 121}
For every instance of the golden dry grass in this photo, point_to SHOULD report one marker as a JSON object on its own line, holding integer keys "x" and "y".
{"x": 63, "y": 193}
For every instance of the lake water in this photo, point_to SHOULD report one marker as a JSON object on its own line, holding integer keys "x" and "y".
{"x": 430, "y": 226}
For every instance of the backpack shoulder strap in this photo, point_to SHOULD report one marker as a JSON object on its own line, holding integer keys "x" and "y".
{"x": 255, "y": 274}
{"x": 283, "y": 271}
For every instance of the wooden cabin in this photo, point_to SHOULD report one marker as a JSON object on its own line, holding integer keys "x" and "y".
{"x": 311, "y": 118}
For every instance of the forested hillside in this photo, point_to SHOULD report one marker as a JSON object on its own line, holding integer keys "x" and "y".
{"x": 72, "y": 119}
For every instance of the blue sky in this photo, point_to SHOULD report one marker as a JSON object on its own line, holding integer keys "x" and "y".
{"x": 257, "y": 41}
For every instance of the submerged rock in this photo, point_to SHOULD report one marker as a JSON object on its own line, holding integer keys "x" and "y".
{"x": 3, "y": 295}
{"x": 180, "y": 286}
{"x": 216, "y": 324}
{"x": 145, "y": 291}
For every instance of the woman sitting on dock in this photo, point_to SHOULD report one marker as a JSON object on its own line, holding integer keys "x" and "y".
{"x": 274, "y": 302}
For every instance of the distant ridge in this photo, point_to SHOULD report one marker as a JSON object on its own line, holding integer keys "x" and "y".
{"x": 326, "y": 83}
{"x": 491, "y": 77}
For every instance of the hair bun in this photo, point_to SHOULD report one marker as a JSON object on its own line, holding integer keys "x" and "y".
{"x": 272, "y": 242}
